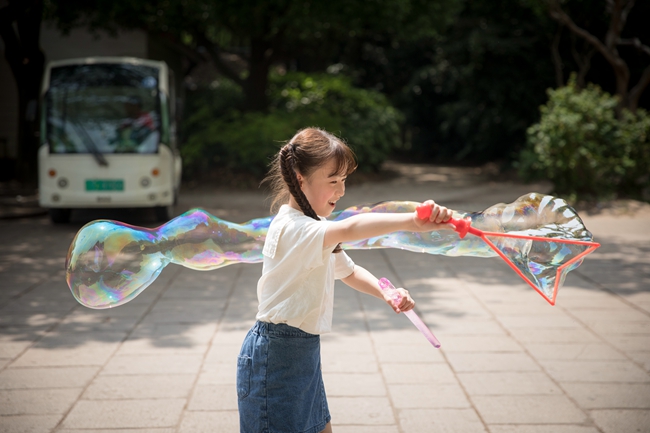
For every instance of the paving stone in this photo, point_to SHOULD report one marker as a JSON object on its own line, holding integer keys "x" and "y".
{"x": 622, "y": 421}
{"x": 507, "y": 307}
{"x": 423, "y": 352}
{"x": 390, "y": 336}
{"x": 607, "y": 327}
{"x": 223, "y": 353}
{"x": 447, "y": 327}
{"x": 113, "y": 319}
{"x": 528, "y": 409}
{"x": 172, "y": 345}
{"x": 595, "y": 371}
{"x": 218, "y": 374}
{"x": 630, "y": 343}
{"x": 37, "y": 401}
{"x": 613, "y": 315}
{"x": 122, "y": 430}
{"x": 11, "y": 349}
{"x": 29, "y": 423}
{"x": 548, "y": 428}
{"x": 508, "y": 383}
{"x": 210, "y": 422}
{"x": 54, "y": 377}
{"x": 97, "y": 414}
{"x": 642, "y": 358}
{"x": 440, "y": 420}
{"x": 354, "y": 385}
{"x": 361, "y": 410}
{"x": 150, "y": 386}
{"x": 213, "y": 397}
{"x": 609, "y": 395}
{"x": 153, "y": 364}
{"x": 418, "y": 373}
{"x": 469, "y": 362}
{"x": 557, "y": 335}
{"x": 349, "y": 362}
{"x": 428, "y": 396}
{"x": 482, "y": 344}
{"x": 72, "y": 350}
{"x": 574, "y": 351}
{"x": 364, "y": 429}
{"x": 539, "y": 321}
{"x": 230, "y": 337}
{"x": 45, "y": 319}
{"x": 357, "y": 342}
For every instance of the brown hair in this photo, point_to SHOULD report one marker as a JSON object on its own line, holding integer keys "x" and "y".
{"x": 307, "y": 151}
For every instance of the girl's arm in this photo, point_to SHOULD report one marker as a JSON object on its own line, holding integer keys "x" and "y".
{"x": 363, "y": 281}
{"x": 370, "y": 225}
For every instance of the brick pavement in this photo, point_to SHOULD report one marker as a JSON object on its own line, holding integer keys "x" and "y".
{"x": 509, "y": 362}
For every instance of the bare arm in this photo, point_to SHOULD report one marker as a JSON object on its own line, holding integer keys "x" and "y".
{"x": 363, "y": 281}
{"x": 370, "y": 225}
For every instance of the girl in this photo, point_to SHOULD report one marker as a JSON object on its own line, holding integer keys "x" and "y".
{"x": 279, "y": 381}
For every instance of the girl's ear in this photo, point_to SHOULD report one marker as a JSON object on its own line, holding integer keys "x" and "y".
{"x": 300, "y": 179}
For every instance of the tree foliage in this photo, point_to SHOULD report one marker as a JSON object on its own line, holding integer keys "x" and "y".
{"x": 221, "y": 136}
{"x": 256, "y": 34}
{"x": 609, "y": 46}
{"x": 585, "y": 149}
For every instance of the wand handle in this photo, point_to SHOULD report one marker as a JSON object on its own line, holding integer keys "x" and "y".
{"x": 462, "y": 226}
{"x": 387, "y": 286}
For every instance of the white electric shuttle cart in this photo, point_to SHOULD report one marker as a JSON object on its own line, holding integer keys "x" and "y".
{"x": 108, "y": 136}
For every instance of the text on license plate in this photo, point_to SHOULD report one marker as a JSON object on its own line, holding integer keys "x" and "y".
{"x": 104, "y": 185}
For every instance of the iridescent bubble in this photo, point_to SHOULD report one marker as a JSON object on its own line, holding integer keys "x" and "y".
{"x": 109, "y": 262}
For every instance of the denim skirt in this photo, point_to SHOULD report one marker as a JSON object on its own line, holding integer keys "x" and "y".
{"x": 279, "y": 381}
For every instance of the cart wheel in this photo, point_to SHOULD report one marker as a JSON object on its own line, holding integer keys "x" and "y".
{"x": 60, "y": 215}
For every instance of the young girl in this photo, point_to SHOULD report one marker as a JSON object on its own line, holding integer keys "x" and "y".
{"x": 279, "y": 382}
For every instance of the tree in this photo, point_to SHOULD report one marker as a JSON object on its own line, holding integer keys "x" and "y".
{"x": 618, "y": 11}
{"x": 255, "y": 34}
{"x": 20, "y": 23}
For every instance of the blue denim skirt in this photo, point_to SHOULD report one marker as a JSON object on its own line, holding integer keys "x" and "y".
{"x": 279, "y": 381}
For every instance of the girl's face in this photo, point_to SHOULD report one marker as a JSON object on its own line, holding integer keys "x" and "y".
{"x": 323, "y": 189}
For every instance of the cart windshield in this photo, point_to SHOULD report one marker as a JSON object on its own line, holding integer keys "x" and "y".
{"x": 103, "y": 108}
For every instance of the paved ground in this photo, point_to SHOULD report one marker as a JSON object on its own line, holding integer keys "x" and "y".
{"x": 509, "y": 362}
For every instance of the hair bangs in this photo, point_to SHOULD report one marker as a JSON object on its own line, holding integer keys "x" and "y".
{"x": 345, "y": 161}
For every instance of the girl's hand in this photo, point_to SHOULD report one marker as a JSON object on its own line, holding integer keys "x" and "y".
{"x": 407, "y": 303}
{"x": 440, "y": 215}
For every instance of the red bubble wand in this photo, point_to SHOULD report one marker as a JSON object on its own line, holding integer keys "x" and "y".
{"x": 568, "y": 247}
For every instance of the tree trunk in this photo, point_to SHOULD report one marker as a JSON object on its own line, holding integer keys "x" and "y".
{"x": 619, "y": 10}
{"x": 256, "y": 84}
{"x": 557, "y": 59}
{"x": 27, "y": 62}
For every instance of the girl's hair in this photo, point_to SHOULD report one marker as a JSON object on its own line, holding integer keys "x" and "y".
{"x": 308, "y": 150}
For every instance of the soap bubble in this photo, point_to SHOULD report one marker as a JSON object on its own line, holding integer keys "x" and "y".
{"x": 109, "y": 262}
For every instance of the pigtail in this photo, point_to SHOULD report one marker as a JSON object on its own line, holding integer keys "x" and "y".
{"x": 287, "y": 166}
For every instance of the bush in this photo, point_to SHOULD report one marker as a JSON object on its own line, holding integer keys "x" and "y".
{"x": 224, "y": 136}
{"x": 364, "y": 118}
{"x": 582, "y": 147}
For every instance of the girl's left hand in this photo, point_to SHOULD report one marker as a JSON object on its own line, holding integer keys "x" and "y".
{"x": 406, "y": 304}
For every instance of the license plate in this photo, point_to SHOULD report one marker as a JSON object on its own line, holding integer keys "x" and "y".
{"x": 104, "y": 185}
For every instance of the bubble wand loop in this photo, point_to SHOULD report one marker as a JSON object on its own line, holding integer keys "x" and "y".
{"x": 464, "y": 226}
{"x": 388, "y": 287}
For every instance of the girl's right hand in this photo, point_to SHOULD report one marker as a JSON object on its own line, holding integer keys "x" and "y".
{"x": 438, "y": 219}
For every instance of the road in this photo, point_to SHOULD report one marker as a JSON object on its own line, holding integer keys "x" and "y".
{"x": 165, "y": 362}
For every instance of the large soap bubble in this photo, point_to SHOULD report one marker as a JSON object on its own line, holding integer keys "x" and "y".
{"x": 109, "y": 262}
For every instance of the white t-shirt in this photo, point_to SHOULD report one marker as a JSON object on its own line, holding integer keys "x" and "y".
{"x": 297, "y": 283}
